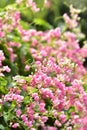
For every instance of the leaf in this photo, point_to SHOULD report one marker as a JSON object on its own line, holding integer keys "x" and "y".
{"x": 6, "y": 107}
{"x": 42, "y": 23}
{"x": 36, "y": 108}
{"x": 28, "y": 79}
{"x": 4, "y": 48}
{"x": 27, "y": 100}
{"x": 24, "y": 24}
{"x": 3, "y": 81}
{"x": 31, "y": 90}
{"x": 85, "y": 87}
{"x": 13, "y": 38}
{"x": 2, "y": 127}
{"x": 4, "y": 3}
{"x": 17, "y": 77}
{"x": 3, "y": 90}
{"x": 39, "y": 3}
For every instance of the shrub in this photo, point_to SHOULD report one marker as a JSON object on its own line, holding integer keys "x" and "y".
{"x": 42, "y": 77}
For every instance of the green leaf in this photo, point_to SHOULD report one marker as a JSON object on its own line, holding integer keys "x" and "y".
{"x": 24, "y": 24}
{"x": 36, "y": 108}
{"x": 3, "y": 90}
{"x": 39, "y": 3}
{"x": 27, "y": 100}
{"x": 13, "y": 38}
{"x": 13, "y": 104}
{"x": 32, "y": 90}
{"x": 4, "y": 3}
{"x": 85, "y": 87}
{"x": 3, "y": 81}
{"x": 4, "y": 48}
{"x": 28, "y": 79}
{"x": 2, "y": 127}
{"x": 6, "y": 107}
{"x": 43, "y": 23}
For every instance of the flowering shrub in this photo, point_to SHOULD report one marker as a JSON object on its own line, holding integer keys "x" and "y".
{"x": 42, "y": 77}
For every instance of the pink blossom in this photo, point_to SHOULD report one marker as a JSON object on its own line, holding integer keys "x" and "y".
{"x": 2, "y": 34}
{"x": 2, "y": 57}
{"x": 27, "y": 67}
{"x": 50, "y": 128}
{"x": 47, "y": 3}
{"x": 62, "y": 117}
{"x": 69, "y": 128}
{"x": 57, "y": 123}
{"x": 33, "y": 6}
{"x": 12, "y": 96}
{"x": 28, "y": 123}
{"x": 18, "y": 112}
{"x": 70, "y": 22}
{"x": 24, "y": 118}
{"x": 15, "y": 125}
{"x": 6, "y": 68}
{"x": 35, "y": 96}
{"x": 18, "y": 1}
{"x": 42, "y": 107}
{"x": 44, "y": 118}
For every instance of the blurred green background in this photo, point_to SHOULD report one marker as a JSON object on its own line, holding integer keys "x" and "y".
{"x": 51, "y": 17}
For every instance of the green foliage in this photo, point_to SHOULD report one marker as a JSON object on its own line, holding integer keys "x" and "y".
{"x": 4, "y": 3}
{"x": 3, "y": 83}
{"x": 2, "y": 127}
{"x": 40, "y": 23}
{"x": 85, "y": 87}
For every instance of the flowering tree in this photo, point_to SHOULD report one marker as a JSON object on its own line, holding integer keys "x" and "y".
{"x": 42, "y": 77}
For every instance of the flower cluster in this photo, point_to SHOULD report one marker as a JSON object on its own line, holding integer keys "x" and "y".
{"x": 3, "y": 68}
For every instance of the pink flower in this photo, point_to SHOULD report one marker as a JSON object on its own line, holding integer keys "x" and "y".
{"x": 2, "y": 57}
{"x": 18, "y": 112}
{"x": 43, "y": 53}
{"x": 24, "y": 118}
{"x": 69, "y": 128}
{"x": 57, "y": 123}
{"x": 50, "y": 128}
{"x": 79, "y": 105}
{"x": 6, "y": 68}
{"x": 44, "y": 118}
{"x": 18, "y": 1}
{"x": 42, "y": 107}
{"x": 12, "y": 97}
{"x": 62, "y": 117}
{"x": 33, "y": 6}
{"x": 35, "y": 96}
{"x": 27, "y": 67}
{"x": 46, "y": 93}
{"x": 28, "y": 123}
{"x": 34, "y": 42}
{"x": 2, "y": 34}
{"x": 17, "y": 16}
{"x": 47, "y": 3}
{"x": 15, "y": 125}
{"x": 71, "y": 23}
